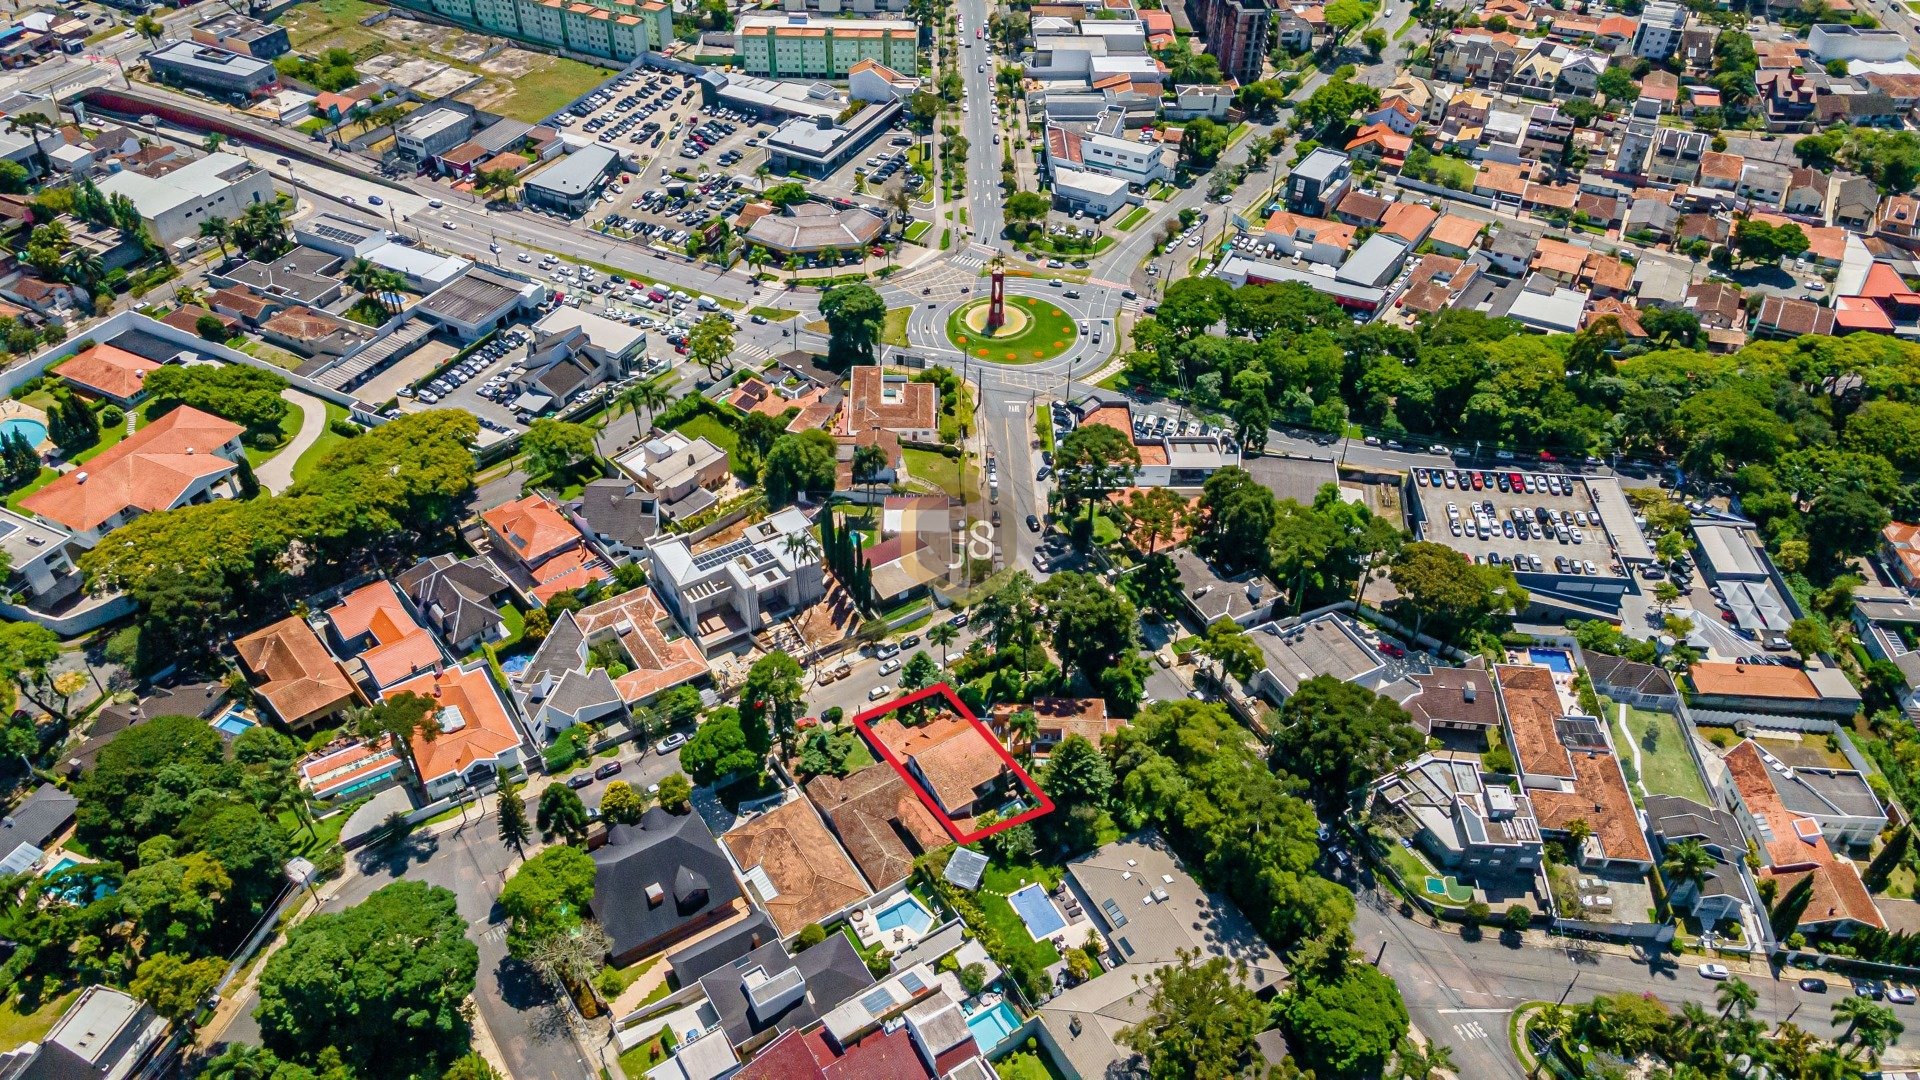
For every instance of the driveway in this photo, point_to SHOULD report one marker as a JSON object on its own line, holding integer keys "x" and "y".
{"x": 276, "y": 473}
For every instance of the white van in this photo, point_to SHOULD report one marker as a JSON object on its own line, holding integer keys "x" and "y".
{"x": 707, "y": 304}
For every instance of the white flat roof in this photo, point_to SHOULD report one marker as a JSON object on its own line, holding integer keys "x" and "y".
{"x": 413, "y": 262}
{"x": 614, "y": 337}
{"x": 196, "y": 180}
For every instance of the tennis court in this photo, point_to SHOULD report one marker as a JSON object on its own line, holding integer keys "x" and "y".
{"x": 1037, "y": 911}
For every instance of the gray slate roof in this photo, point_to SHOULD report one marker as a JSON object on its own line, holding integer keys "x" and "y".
{"x": 832, "y": 969}
{"x": 38, "y": 819}
{"x": 674, "y": 851}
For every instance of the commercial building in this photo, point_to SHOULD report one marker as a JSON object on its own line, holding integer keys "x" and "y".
{"x": 1137, "y": 163}
{"x": 1097, "y": 194}
{"x": 722, "y": 592}
{"x": 1839, "y": 41}
{"x": 817, "y": 144}
{"x": 796, "y": 46}
{"x": 174, "y": 205}
{"x": 211, "y": 70}
{"x": 238, "y": 33}
{"x": 571, "y": 184}
{"x": 481, "y": 300}
{"x": 607, "y": 28}
{"x": 432, "y": 131}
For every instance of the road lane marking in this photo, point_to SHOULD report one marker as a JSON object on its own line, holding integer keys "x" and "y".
{"x": 1473, "y": 1010}
{"x": 1470, "y": 1030}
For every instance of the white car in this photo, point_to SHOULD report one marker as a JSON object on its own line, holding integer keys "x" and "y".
{"x": 435, "y": 203}
{"x": 448, "y": 225}
{"x": 524, "y": 257}
{"x": 670, "y": 743}
{"x": 1716, "y": 972}
{"x": 879, "y": 692}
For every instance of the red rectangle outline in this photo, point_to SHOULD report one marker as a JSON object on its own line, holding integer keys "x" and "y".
{"x": 862, "y": 723}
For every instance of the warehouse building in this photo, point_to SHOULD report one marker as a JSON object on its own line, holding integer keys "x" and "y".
{"x": 213, "y": 71}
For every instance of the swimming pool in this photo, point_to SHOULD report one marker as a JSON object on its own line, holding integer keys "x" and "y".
{"x": 1037, "y": 911}
{"x": 1555, "y": 659}
{"x": 993, "y": 1026}
{"x": 34, "y": 430}
{"x": 233, "y": 721}
{"x": 907, "y": 911}
{"x": 514, "y": 665}
{"x": 64, "y": 862}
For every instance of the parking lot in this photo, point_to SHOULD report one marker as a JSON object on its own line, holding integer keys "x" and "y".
{"x": 671, "y": 214}
{"x": 482, "y": 384}
{"x": 1546, "y": 523}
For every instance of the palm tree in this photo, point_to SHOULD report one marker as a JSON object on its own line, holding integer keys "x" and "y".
{"x": 803, "y": 546}
{"x": 33, "y": 124}
{"x": 150, "y": 28}
{"x": 189, "y": 294}
{"x": 217, "y": 230}
{"x": 1736, "y": 996}
{"x": 369, "y": 280}
{"x": 85, "y": 268}
{"x": 943, "y": 635}
{"x": 1870, "y": 1025}
{"x": 1687, "y": 861}
{"x": 212, "y": 142}
{"x": 1420, "y": 1064}
{"x": 868, "y": 463}
{"x": 648, "y": 395}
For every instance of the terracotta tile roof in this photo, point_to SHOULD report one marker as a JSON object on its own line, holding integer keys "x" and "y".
{"x": 465, "y": 154}
{"x": 1558, "y": 257}
{"x": 953, "y": 772}
{"x": 249, "y": 306}
{"x": 1794, "y": 317}
{"x": 1118, "y": 418}
{"x": 810, "y": 872}
{"x": 1502, "y": 177}
{"x": 150, "y": 470}
{"x": 1532, "y": 707}
{"x": 484, "y": 730}
{"x": 1903, "y": 540}
{"x": 1716, "y": 303}
{"x": 301, "y": 323}
{"x": 1367, "y": 208}
{"x": 107, "y": 370}
{"x": 1719, "y": 166}
{"x": 1600, "y": 797}
{"x": 532, "y": 528}
{"x": 400, "y": 645}
{"x": 1455, "y": 231}
{"x": 660, "y": 662}
{"x": 1061, "y": 717}
{"x": 1627, "y": 314}
{"x": 814, "y": 416}
{"x": 1390, "y": 142}
{"x": 1435, "y": 283}
{"x": 897, "y": 404}
{"x": 879, "y": 819}
{"x": 188, "y": 318}
{"x": 1408, "y": 221}
{"x": 574, "y": 568}
{"x": 1607, "y": 272}
{"x": 1752, "y": 680}
{"x": 1795, "y": 847}
{"x": 1838, "y": 895}
{"x": 302, "y": 680}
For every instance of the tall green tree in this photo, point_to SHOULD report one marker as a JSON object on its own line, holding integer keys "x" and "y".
{"x": 771, "y": 701}
{"x": 548, "y": 894}
{"x": 561, "y": 814}
{"x": 1340, "y": 737}
{"x": 855, "y": 315}
{"x": 1200, "y": 1022}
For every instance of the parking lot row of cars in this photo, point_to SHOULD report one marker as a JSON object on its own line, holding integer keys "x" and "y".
{"x": 476, "y": 362}
{"x": 1484, "y": 480}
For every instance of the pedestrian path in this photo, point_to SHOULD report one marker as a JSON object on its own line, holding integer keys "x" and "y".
{"x": 974, "y": 256}
{"x": 753, "y": 351}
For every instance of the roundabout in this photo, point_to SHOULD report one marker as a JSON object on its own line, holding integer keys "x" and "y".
{"x": 1036, "y": 330}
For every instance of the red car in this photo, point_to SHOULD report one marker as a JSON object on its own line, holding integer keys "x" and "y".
{"x": 1477, "y": 485}
{"x": 1391, "y": 649}
{"x": 1516, "y": 481}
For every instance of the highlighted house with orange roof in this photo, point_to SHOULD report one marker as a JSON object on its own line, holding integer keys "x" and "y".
{"x": 540, "y": 550}
{"x": 1568, "y": 768}
{"x": 473, "y": 738}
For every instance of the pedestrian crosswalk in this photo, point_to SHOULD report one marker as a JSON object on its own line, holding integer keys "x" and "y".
{"x": 753, "y": 351}
{"x": 974, "y": 257}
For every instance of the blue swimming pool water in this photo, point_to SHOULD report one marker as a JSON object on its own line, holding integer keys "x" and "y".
{"x": 907, "y": 912}
{"x": 993, "y": 1026}
{"x": 62, "y": 863}
{"x": 34, "y": 430}
{"x": 1038, "y": 912}
{"x": 232, "y": 722}
{"x": 1555, "y": 659}
{"x": 514, "y": 665}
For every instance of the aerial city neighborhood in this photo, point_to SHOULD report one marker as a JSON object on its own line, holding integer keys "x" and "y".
{"x": 686, "y": 539}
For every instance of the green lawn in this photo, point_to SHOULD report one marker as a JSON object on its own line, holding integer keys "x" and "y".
{"x": 552, "y": 88}
{"x": 1461, "y": 172}
{"x": 326, "y": 833}
{"x": 17, "y": 1028}
{"x": 1669, "y": 768}
{"x": 777, "y": 314}
{"x": 327, "y": 443}
{"x": 279, "y": 358}
{"x": 1134, "y": 217}
{"x": 860, "y": 757}
{"x": 647, "y": 1055}
{"x": 1001, "y": 879}
{"x": 950, "y": 474}
{"x": 917, "y": 230}
{"x": 894, "y": 332}
{"x": 1047, "y": 333}
{"x": 289, "y": 427}
{"x": 702, "y": 425}
{"x": 946, "y": 239}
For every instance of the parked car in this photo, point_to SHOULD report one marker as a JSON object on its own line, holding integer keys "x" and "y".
{"x": 670, "y": 743}
{"x": 1814, "y": 986}
{"x": 1716, "y": 972}
{"x": 579, "y": 780}
{"x": 611, "y": 768}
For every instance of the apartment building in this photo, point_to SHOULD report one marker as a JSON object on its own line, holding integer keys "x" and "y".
{"x": 610, "y": 28}
{"x": 793, "y": 45}
{"x": 1239, "y": 33}
{"x": 1658, "y": 35}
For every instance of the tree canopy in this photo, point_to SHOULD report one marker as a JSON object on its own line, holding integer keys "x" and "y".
{"x": 1339, "y": 737}
{"x": 383, "y": 982}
